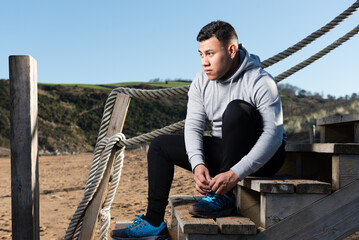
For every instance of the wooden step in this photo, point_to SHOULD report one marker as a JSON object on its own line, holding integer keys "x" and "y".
{"x": 339, "y": 129}
{"x": 337, "y": 163}
{"x": 285, "y": 185}
{"x": 332, "y": 148}
{"x": 191, "y": 227}
{"x": 267, "y": 201}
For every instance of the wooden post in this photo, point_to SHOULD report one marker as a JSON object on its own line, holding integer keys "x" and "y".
{"x": 24, "y": 148}
{"x": 93, "y": 209}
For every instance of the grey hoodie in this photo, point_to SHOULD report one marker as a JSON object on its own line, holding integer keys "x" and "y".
{"x": 211, "y": 97}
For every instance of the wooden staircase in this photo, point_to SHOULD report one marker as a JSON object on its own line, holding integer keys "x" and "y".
{"x": 314, "y": 196}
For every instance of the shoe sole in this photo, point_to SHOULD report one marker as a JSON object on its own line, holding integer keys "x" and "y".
{"x": 161, "y": 237}
{"x": 223, "y": 213}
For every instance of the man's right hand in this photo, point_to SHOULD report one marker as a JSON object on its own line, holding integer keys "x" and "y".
{"x": 202, "y": 178}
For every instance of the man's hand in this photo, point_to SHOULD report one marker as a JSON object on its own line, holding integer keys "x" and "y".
{"x": 202, "y": 178}
{"x": 224, "y": 182}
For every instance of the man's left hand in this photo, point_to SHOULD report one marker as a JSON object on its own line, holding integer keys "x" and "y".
{"x": 224, "y": 182}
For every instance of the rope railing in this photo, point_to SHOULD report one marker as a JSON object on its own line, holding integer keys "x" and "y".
{"x": 318, "y": 55}
{"x": 304, "y": 42}
{"x": 104, "y": 145}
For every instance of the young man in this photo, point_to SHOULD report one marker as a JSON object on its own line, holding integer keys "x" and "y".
{"x": 243, "y": 104}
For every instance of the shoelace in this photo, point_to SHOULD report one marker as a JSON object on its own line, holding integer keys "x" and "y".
{"x": 217, "y": 199}
{"x": 136, "y": 222}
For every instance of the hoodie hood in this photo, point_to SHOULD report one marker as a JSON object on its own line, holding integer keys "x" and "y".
{"x": 247, "y": 61}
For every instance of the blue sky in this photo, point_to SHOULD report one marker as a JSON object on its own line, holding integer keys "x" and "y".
{"x": 100, "y": 42}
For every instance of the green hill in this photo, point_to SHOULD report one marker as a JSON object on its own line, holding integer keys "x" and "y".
{"x": 70, "y": 115}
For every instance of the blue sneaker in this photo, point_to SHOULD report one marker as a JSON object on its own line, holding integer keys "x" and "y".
{"x": 213, "y": 206}
{"x": 141, "y": 229}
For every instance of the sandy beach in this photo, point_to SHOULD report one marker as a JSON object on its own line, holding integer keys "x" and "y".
{"x": 62, "y": 180}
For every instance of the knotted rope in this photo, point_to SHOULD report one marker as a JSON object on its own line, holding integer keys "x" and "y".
{"x": 104, "y": 145}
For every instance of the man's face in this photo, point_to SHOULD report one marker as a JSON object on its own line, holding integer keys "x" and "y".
{"x": 215, "y": 58}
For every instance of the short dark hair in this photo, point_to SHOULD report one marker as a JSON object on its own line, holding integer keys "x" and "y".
{"x": 223, "y": 31}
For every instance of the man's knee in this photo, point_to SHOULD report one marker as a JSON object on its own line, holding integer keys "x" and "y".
{"x": 156, "y": 145}
{"x": 239, "y": 110}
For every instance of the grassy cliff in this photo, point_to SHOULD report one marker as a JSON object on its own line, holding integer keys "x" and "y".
{"x": 70, "y": 115}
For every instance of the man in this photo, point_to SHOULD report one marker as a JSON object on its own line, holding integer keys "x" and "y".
{"x": 243, "y": 104}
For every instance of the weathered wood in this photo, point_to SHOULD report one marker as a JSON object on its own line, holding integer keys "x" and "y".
{"x": 276, "y": 207}
{"x": 189, "y": 224}
{"x": 332, "y": 217}
{"x": 339, "y": 129}
{"x": 338, "y": 119}
{"x": 316, "y": 166}
{"x": 285, "y": 185}
{"x": 267, "y": 185}
{"x": 338, "y": 133}
{"x": 176, "y": 200}
{"x": 334, "y": 148}
{"x": 345, "y": 169}
{"x": 249, "y": 204}
{"x": 312, "y": 187}
{"x": 214, "y": 237}
{"x": 24, "y": 147}
{"x": 236, "y": 225}
{"x": 122, "y": 224}
{"x": 93, "y": 209}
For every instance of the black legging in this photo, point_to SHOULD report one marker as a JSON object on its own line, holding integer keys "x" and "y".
{"x": 241, "y": 128}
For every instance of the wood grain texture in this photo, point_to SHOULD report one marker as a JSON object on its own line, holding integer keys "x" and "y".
{"x": 236, "y": 225}
{"x": 333, "y": 148}
{"x": 93, "y": 209}
{"x": 345, "y": 169}
{"x": 338, "y": 119}
{"x": 285, "y": 185}
{"x": 24, "y": 147}
{"x": 332, "y": 217}
{"x": 276, "y": 207}
{"x": 190, "y": 224}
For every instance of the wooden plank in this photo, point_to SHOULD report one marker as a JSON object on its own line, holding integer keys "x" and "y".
{"x": 276, "y": 207}
{"x": 285, "y": 185}
{"x": 312, "y": 187}
{"x": 345, "y": 169}
{"x": 236, "y": 225}
{"x": 338, "y": 133}
{"x": 249, "y": 204}
{"x": 215, "y": 237}
{"x": 316, "y": 166}
{"x": 24, "y": 148}
{"x": 267, "y": 185}
{"x": 332, "y": 217}
{"x": 93, "y": 209}
{"x": 356, "y": 132}
{"x": 338, "y": 119}
{"x": 334, "y": 148}
{"x": 189, "y": 224}
{"x": 176, "y": 200}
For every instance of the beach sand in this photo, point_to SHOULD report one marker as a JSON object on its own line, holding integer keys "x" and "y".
{"x": 62, "y": 180}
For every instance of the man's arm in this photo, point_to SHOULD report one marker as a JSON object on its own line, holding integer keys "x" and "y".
{"x": 194, "y": 127}
{"x": 267, "y": 100}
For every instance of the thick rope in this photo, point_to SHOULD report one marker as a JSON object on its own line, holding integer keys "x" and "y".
{"x": 318, "y": 55}
{"x": 151, "y": 135}
{"x": 140, "y": 93}
{"x": 105, "y": 215}
{"x": 98, "y": 168}
{"x": 105, "y": 145}
{"x": 304, "y": 42}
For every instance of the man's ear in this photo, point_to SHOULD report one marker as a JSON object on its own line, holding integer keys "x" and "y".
{"x": 232, "y": 50}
